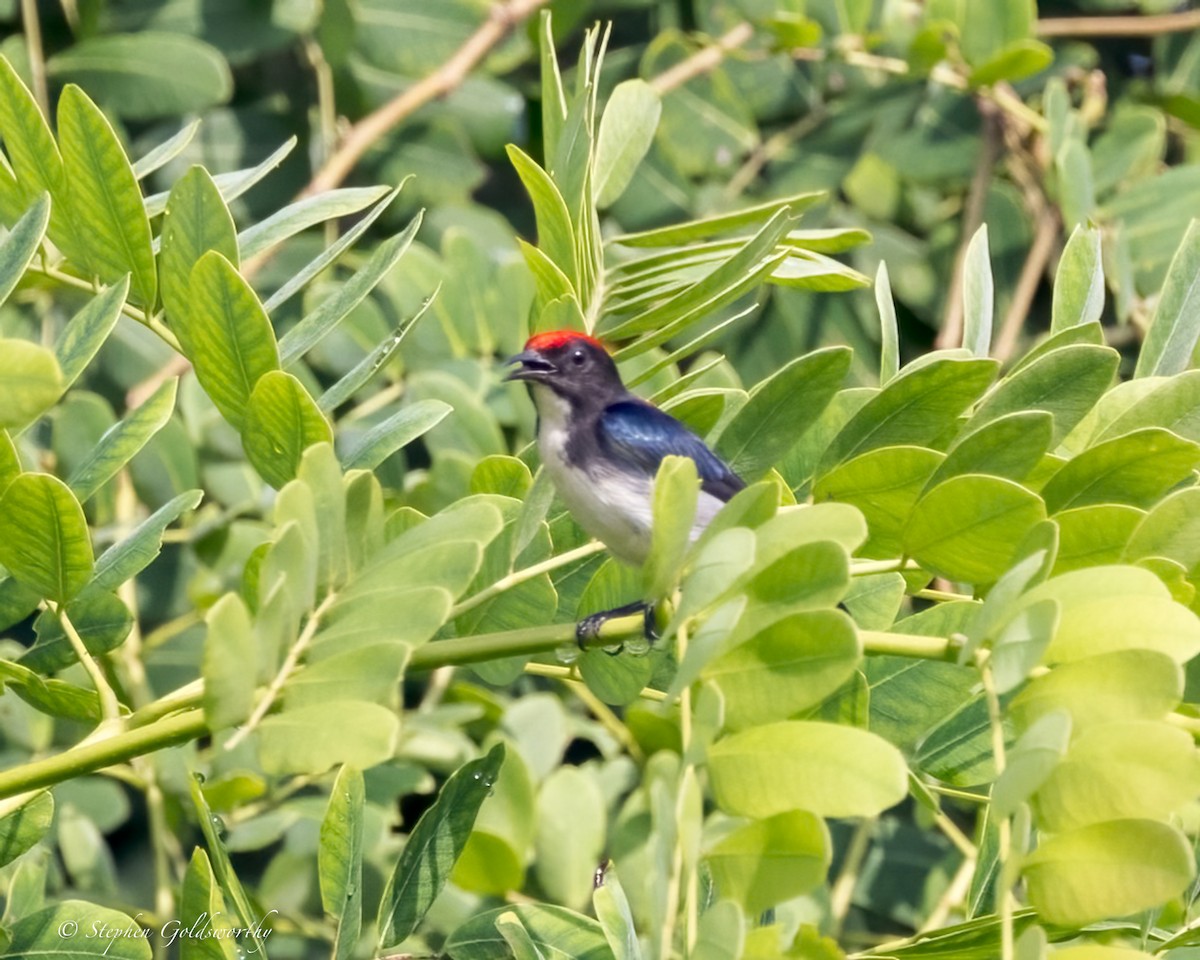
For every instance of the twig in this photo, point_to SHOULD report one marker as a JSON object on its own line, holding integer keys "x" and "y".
{"x": 518, "y": 577}
{"x": 1132, "y": 26}
{"x": 842, "y": 894}
{"x": 110, "y": 708}
{"x": 291, "y": 661}
{"x": 37, "y": 62}
{"x": 951, "y": 332}
{"x": 703, "y": 61}
{"x": 359, "y": 139}
{"x": 1027, "y": 284}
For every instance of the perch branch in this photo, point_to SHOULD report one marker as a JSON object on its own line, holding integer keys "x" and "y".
{"x": 1131, "y": 26}
{"x": 361, "y": 136}
{"x": 703, "y": 61}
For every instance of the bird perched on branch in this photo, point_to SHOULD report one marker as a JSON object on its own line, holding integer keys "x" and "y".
{"x": 602, "y": 448}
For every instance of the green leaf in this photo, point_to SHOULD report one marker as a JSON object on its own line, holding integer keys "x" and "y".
{"x": 41, "y": 935}
{"x": 612, "y": 910}
{"x": 101, "y": 619}
{"x": 340, "y": 859}
{"x": 831, "y": 770}
{"x": 18, "y": 248}
{"x": 1079, "y": 282}
{"x": 195, "y": 221}
{"x": 105, "y": 200}
{"x": 329, "y": 254}
{"x": 1016, "y": 62}
{"x": 1010, "y": 446}
{"x": 556, "y": 931}
{"x": 884, "y": 485}
{"x": 232, "y": 185}
{"x": 555, "y": 234}
{"x": 165, "y": 152}
{"x": 121, "y": 442}
{"x": 1108, "y": 687}
{"x": 1065, "y": 382}
{"x": 1171, "y": 529}
{"x": 229, "y": 883}
{"x": 281, "y": 423}
{"x": 321, "y": 321}
{"x": 771, "y": 860}
{"x": 1020, "y": 644}
{"x": 315, "y": 737}
{"x": 626, "y": 132}
{"x": 509, "y": 926}
{"x": 44, "y": 539}
{"x": 305, "y": 213}
{"x": 978, "y": 295}
{"x": 34, "y": 155}
{"x": 1173, "y": 332}
{"x": 10, "y": 462}
{"x": 230, "y": 657}
{"x": 1077, "y": 197}
{"x": 1117, "y": 608}
{"x": 1030, "y": 761}
{"x": 1090, "y": 536}
{"x": 30, "y": 382}
{"x": 227, "y": 336}
{"x": 1137, "y": 468}
{"x": 780, "y": 409}
{"x": 1107, "y": 870}
{"x": 785, "y": 668}
{"x": 132, "y": 555}
{"x": 570, "y": 825}
{"x": 86, "y": 332}
{"x": 25, "y": 826}
{"x": 373, "y": 362}
{"x": 554, "y": 100}
{"x": 200, "y": 903}
{"x": 1131, "y": 769}
{"x": 54, "y": 698}
{"x": 738, "y": 220}
{"x": 147, "y": 74}
{"x": 676, "y": 492}
{"x": 398, "y": 430}
{"x": 915, "y": 408}
{"x": 889, "y": 354}
{"x": 433, "y": 847}
{"x": 968, "y": 528}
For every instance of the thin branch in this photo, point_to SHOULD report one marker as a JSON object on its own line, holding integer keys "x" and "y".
{"x": 291, "y": 661}
{"x": 1027, "y": 284}
{"x": 703, "y": 61}
{"x": 37, "y": 61}
{"x": 1131, "y": 26}
{"x": 359, "y": 139}
{"x": 842, "y": 894}
{"x": 110, "y": 707}
{"x": 517, "y": 577}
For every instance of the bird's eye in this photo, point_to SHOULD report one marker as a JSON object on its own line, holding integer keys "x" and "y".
{"x": 579, "y": 358}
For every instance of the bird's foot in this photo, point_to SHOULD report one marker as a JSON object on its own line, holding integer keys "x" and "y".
{"x": 588, "y": 628}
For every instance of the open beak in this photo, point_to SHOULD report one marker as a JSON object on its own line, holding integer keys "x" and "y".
{"x": 533, "y": 366}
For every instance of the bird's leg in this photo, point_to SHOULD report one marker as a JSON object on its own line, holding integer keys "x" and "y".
{"x": 589, "y": 627}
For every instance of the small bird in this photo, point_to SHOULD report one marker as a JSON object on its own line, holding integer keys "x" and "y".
{"x": 602, "y": 448}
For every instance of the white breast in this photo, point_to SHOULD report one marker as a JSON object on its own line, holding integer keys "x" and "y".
{"x": 611, "y": 506}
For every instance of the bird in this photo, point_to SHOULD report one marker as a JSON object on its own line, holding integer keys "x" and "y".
{"x": 602, "y": 446}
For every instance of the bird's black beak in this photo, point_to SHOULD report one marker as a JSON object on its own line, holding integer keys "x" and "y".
{"x": 533, "y": 366}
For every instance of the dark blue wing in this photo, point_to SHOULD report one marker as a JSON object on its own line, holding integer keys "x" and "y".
{"x": 640, "y": 435}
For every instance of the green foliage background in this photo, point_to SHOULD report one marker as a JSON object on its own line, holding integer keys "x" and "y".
{"x": 287, "y": 611}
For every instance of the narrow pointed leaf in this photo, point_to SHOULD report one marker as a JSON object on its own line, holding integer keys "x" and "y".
{"x": 232, "y": 185}
{"x": 626, "y": 132}
{"x": 229, "y": 680}
{"x": 434, "y": 846}
{"x": 22, "y": 242}
{"x": 320, "y": 322}
{"x": 137, "y": 551}
{"x": 889, "y": 354}
{"x": 303, "y": 214}
{"x": 398, "y": 430}
{"x": 555, "y": 235}
{"x": 165, "y": 152}
{"x": 978, "y": 295}
{"x": 122, "y": 441}
{"x": 85, "y": 333}
{"x": 1175, "y": 328}
{"x": 340, "y": 859}
{"x": 1079, "y": 282}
